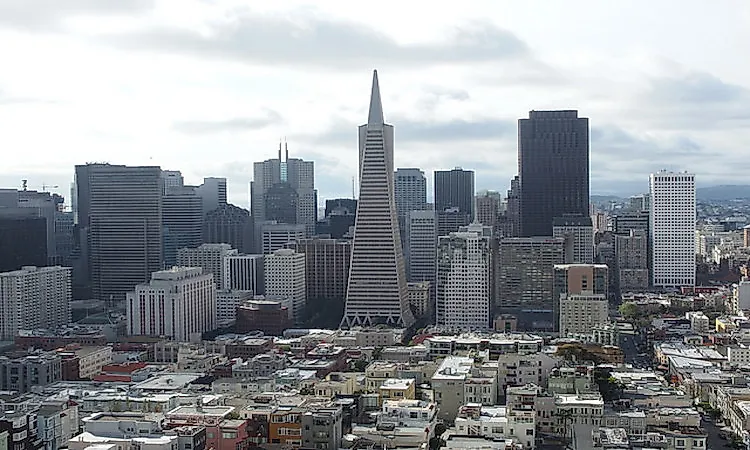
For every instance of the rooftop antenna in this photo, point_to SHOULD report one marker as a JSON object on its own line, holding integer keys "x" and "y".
{"x": 279, "y": 149}
{"x": 354, "y": 195}
{"x": 286, "y": 149}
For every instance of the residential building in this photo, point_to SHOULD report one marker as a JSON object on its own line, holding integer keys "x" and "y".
{"x": 581, "y": 297}
{"x": 553, "y": 169}
{"x": 210, "y": 258}
{"x": 322, "y": 428}
{"x": 464, "y": 269}
{"x": 397, "y": 389}
{"x": 34, "y": 297}
{"x": 497, "y": 423}
{"x": 672, "y": 227}
{"x": 377, "y": 277}
{"x": 23, "y": 373}
{"x": 179, "y": 303}
{"x": 244, "y": 273}
{"x": 578, "y": 234}
{"x": 119, "y": 215}
{"x": 285, "y": 277}
{"x": 631, "y": 252}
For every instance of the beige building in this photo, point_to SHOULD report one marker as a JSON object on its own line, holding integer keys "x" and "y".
{"x": 419, "y": 297}
{"x": 398, "y": 389}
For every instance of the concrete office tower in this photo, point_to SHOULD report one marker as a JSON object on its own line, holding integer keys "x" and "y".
{"x": 464, "y": 270}
{"x": 182, "y": 216}
{"x": 580, "y": 298}
{"x": 23, "y": 239}
{"x": 179, "y": 303}
{"x": 525, "y": 280}
{"x": 419, "y": 294}
{"x": 624, "y": 223}
{"x": 275, "y": 236}
{"x": 64, "y": 236}
{"x": 338, "y": 222}
{"x": 422, "y": 246}
{"x": 489, "y": 208}
{"x": 579, "y": 238}
{"x": 209, "y": 257}
{"x": 631, "y": 252}
{"x": 377, "y": 278}
{"x": 213, "y": 192}
{"x": 511, "y": 221}
{"x": 44, "y": 205}
{"x": 672, "y": 227}
{"x": 34, "y": 297}
{"x": 285, "y": 277}
{"x": 283, "y": 190}
{"x": 553, "y": 169}
{"x": 454, "y": 191}
{"x": 327, "y": 269}
{"x": 229, "y": 224}
{"x": 244, "y": 273}
{"x": 119, "y": 213}
{"x": 411, "y": 195}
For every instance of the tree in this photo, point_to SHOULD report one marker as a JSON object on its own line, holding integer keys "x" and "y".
{"x": 437, "y": 441}
{"x": 629, "y": 310}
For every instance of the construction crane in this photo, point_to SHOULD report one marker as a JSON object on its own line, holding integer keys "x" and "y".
{"x": 45, "y": 187}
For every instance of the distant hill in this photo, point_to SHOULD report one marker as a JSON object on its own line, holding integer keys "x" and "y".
{"x": 723, "y": 192}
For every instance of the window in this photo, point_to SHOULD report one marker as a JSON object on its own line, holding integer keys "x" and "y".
{"x": 530, "y": 432}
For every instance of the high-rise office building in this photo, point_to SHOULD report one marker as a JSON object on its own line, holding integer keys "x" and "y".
{"x": 119, "y": 213}
{"x": 510, "y": 223}
{"x": 624, "y": 223}
{"x": 285, "y": 277}
{"x": 213, "y": 193}
{"x": 327, "y": 268}
{"x": 553, "y": 169}
{"x": 489, "y": 208}
{"x": 672, "y": 227}
{"x": 209, "y": 257}
{"x": 182, "y": 216}
{"x": 44, "y": 205}
{"x": 579, "y": 238}
{"x": 179, "y": 303}
{"x": 411, "y": 195}
{"x": 422, "y": 245}
{"x": 525, "y": 279}
{"x": 275, "y": 236}
{"x": 283, "y": 190}
{"x": 23, "y": 239}
{"x": 454, "y": 189}
{"x": 338, "y": 222}
{"x": 229, "y": 224}
{"x": 64, "y": 236}
{"x": 464, "y": 268}
{"x": 580, "y": 298}
{"x": 420, "y": 294}
{"x": 244, "y": 273}
{"x": 32, "y": 298}
{"x": 377, "y": 278}
{"x": 631, "y": 252}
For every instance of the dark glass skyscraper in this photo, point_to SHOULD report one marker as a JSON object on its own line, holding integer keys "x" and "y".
{"x": 553, "y": 169}
{"x": 455, "y": 189}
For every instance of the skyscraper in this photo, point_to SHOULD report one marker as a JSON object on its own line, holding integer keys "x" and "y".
{"x": 579, "y": 238}
{"x": 464, "y": 267}
{"x": 327, "y": 266}
{"x": 553, "y": 169}
{"x": 229, "y": 224}
{"x": 23, "y": 239}
{"x": 580, "y": 300}
{"x": 284, "y": 272}
{"x": 455, "y": 189}
{"x": 119, "y": 212}
{"x": 283, "y": 189}
{"x": 182, "y": 216}
{"x": 672, "y": 228}
{"x": 411, "y": 195}
{"x": 377, "y": 279}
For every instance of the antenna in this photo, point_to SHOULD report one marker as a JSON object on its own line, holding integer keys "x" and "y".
{"x": 354, "y": 195}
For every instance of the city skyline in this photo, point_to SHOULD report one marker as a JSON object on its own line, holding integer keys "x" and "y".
{"x": 211, "y": 104}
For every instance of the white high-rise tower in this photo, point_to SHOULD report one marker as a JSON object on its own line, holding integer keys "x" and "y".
{"x": 377, "y": 277}
{"x": 672, "y": 228}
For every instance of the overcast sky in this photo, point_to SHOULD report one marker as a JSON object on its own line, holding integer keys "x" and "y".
{"x": 209, "y": 86}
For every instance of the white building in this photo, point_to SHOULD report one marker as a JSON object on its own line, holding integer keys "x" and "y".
{"x": 209, "y": 257}
{"x": 243, "y": 273}
{"x": 285, "y": 277}
{"x": 581, "y": 313}
{"x": 699, "y": 322}
{"x": 227, "y": 303}
{"x": 179, "y": 303}
{"x": 34, "y": 297}
{"x": 741, "y": 296}
{"x": 672, "y": 228}
{"x": 464, "y": 267}
{"x": 496, "y": 423}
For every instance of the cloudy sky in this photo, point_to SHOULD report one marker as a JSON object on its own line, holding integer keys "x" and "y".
{"x": 209, "y": 86}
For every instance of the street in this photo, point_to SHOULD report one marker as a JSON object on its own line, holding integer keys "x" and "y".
{"x": 714, "y": 442}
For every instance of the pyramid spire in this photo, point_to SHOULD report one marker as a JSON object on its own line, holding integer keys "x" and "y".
{"x": 376, "y": 106}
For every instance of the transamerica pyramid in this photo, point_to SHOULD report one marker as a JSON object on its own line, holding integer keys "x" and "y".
{"x": 377, "y": 277}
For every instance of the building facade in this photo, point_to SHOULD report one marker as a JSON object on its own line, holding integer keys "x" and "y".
{"x": 553, "y": 169}
{"x": 244, "y": 273}
{"x": 411, "y": 195}
{"x": 285, "y": 277}
{"x": 182, "y": 219}
{"x": 464, "y": 268}
{"x": 580, "y": 298}
{"x": 422, "y": 246}
{"x": 454, "y": 189}
{"x": 672, "y": 229}
{"x": 179, "y": 303}
{"x": 34, "y": 297}
{"x": 631, "y": 252}
{"x": 275, "y": 236}
{"x": 210, "y": 258}
{"x": 578, "y": 233}
{"x": 326, "y": 267}
{"x": 229, "y": 224}
{"x": 377, "y": 277}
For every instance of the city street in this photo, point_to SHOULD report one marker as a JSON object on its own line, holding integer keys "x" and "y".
{"x": 714, "y": 442}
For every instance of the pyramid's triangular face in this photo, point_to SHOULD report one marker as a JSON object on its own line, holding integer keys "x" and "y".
{"x": 375, "y": 116}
